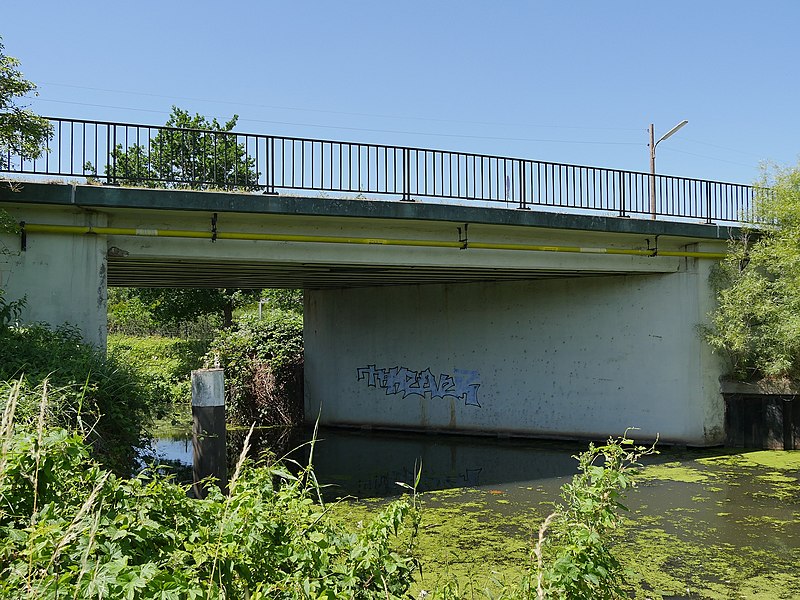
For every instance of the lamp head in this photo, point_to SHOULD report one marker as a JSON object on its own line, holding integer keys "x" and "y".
{"x": 672, "y": 131}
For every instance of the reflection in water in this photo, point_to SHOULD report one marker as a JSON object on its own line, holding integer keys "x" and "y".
{"x": 368, "y": 464}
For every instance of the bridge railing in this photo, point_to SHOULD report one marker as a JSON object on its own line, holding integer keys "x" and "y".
{"x": 155, "y": 156}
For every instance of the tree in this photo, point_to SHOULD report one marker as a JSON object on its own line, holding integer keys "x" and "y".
{"x": 288, "y": 300}
{"x": 169, "y": 307}
{"x": 190, "y": 152}
{"x": 756, "y": 324}
{"x": 22, "y": 133}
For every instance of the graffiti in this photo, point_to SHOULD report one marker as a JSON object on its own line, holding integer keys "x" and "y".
{"x": 462, "y": 384}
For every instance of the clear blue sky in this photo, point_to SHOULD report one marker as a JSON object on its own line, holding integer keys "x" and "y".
{"x": 573, "y": 81}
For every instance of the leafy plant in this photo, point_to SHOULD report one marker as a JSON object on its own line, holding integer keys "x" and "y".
{"x": 10, "y": 310}
{"x": 263, "y": 361}
{"x": 574, "y": 557}
{"x": 756, "y": 324}
{"x": 107, "y": 396}
{"x": 165, "y": 363}
{"x": 286, "y": 300}
{"x": 70, "y": 529}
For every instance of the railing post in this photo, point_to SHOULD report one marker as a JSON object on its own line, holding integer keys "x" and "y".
{"x": 708, "y": 202}
{"x": 111, "y": 161}
{"x": 523, "y": 205}
{"x": 621, "y": 194}
{"x": 269, "y": 165}
{"x": 406, "y": 176}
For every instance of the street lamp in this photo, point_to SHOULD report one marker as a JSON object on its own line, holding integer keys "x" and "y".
{"x": 653, "y": 145}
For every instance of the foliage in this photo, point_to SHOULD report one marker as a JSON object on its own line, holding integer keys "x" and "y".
{"x": 574, "y": 558}
{"x": 190, "y": 152}
{"x": 286, "y": 300}
{"x": 128, "y": 314}
{"x": 105, "y": 395}
{"x": 7, "y": 225}
{"x": 756, "y": 324}
{"x": 165, "y": 363}
{"x": 70, "y": 529}
{"x": 10, "y": 310}
{"x": 22, "y": 133}
{"x": 263, "y": 361}
{"x": 166, "y": 310}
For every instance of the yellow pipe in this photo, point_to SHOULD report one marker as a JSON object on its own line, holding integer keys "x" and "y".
{"x": 272, "y": 237}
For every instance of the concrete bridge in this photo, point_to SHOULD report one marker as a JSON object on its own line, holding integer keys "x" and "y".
{"x": 482, "y": 294}
{"x": 417, "y": 316}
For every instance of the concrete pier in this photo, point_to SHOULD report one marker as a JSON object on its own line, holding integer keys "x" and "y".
{"x": 208, "y": 430}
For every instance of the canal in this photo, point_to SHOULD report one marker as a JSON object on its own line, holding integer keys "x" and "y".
{"x": 711, "y": 523}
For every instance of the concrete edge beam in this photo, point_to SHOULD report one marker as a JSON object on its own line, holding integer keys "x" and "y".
{"x": 94, "y": 196}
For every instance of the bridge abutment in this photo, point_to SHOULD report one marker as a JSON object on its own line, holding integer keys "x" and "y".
{"x": 62, "y": 278}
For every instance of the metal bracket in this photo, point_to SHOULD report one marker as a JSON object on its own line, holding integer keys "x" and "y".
{"x": 464, "y": 241}
{"x": 214, "y": 228}
{"x": 23, "y": 237}
{"x": 654, "y": 249}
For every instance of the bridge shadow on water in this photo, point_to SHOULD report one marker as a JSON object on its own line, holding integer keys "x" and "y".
{"x": 367, "y": 464}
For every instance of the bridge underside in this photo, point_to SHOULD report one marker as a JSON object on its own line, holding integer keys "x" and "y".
{"x": 170, "y": 272}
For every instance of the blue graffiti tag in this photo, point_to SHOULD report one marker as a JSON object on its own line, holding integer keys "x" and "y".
{"x": 462, "y": 384}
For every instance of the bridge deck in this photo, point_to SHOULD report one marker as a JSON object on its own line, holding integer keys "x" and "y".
{"x": 343, "y": 242}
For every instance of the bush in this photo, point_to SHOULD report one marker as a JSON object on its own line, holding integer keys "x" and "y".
{"x": 102, "y": 394}
{"x": 574, "y": 557}
{"x": 756, "y": 324}
{"x": 70, "y": 529}
{"x": 263, "y": 361}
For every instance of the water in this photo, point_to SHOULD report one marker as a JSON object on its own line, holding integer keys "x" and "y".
{"x": 702, "y": 524}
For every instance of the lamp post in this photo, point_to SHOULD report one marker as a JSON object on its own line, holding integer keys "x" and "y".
{"x": 653, "y": 162}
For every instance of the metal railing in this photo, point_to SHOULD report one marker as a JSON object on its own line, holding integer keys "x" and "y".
{"x": 153, "y": 156}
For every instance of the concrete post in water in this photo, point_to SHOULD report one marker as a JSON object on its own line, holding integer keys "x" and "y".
{"x": 208, "y": 429}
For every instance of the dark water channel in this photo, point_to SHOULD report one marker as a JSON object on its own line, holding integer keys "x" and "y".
{"x": 702, "y": 523}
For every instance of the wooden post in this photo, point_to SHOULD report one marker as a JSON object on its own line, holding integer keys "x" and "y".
{"x": 208, "y": 430}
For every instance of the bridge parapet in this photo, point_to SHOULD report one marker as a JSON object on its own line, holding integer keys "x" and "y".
{"x": 168, "y": 157}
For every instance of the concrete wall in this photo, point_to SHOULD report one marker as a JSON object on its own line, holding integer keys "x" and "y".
{"x": 577, "y": 357}
{"x": 63, "y": 278}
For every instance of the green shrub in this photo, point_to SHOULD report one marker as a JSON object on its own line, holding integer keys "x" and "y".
{"x": 573, "y": 557}
{"x": 70, "y": 529}
{"x": 10, "y": 310}
{"x": 107, "y": 397}
{"x": 263, "y": 361}
{"x": 574, "y": 554}
{"x": 756, "y": 324}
